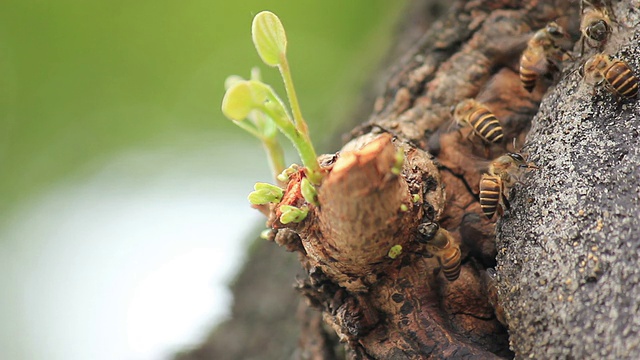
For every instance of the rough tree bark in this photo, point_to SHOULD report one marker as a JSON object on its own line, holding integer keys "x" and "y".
{"x": 569, "y": 250}
{"x": 565, "y": 280}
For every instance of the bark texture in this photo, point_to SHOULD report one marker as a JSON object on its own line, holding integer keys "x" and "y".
{"x": 388, "y": 306}
{"x": 569, "y": 249}
{"x": 565, "y": 280}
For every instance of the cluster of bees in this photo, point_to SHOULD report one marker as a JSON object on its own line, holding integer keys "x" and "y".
{"x": 542, "y": 56}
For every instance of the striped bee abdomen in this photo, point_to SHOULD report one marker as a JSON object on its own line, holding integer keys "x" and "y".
{"x": 528, "y": 75}
{"x": 450, "y": 263}
{"x": 622, "y": 80}
{"x": 486, "y": 125}
{"x": 490, "y": 193}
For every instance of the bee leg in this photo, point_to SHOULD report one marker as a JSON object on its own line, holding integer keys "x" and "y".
{"x": 613, "y": 92}
{"x": 500, "y": 210}
{"x": 506, "y": 203}
{"x": 436, "y": 271}
{"x": 567, "y": 53}
{"x": 470, "y": 136}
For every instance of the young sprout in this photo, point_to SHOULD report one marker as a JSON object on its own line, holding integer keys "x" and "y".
{"x": 292, "y": 214}
{"x": 256, "y": 123}
{"x": 265, "y": 193}
{"x": 404, "y": 207}
{"x": 250, "y": 95}
{"x": 395, "y": 251}
{"x": 308, "y": 191}
{"x": 270, "y": 41}
{"x": 283, "y": 177}
{"x": 416, "y": 198}
{"x": 245, "y": 97}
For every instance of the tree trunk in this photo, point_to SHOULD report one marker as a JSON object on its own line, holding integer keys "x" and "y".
{"x": 569, "y": 250}
{"x": 564, "y": 281}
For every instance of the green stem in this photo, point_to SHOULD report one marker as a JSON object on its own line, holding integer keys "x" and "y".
{"x": 251, "y": 129}
{"x": 300, "y": 141}
{"x": 283, "y": 66}
{"x": 275, "y": 155}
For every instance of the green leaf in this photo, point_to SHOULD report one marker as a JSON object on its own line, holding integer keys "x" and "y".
{"x": 269, "y": 37}
{"x": 309, "y": 192}
{"x": 271, "y": 189}
{"x": 238, "y": 101}
{"x": 232, "y": 80}
{"x": 292, "y": 214}
{"x": 260, "y": 197}
{"x": 265, "y": 193}
{"x": 245, "y": 96}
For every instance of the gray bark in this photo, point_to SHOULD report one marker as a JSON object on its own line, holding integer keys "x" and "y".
{"x": 568, "y": 251}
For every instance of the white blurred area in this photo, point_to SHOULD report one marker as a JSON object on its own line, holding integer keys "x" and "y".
{"x": 132, "y": 262}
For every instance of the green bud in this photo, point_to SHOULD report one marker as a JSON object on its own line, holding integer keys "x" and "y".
{"x": 403, "y": 207}
{"x": 395, "y": 251}
{"x": 272, "y": 189}
{"x": 269, "y": 37}
{"x": 284, "y": 175}
{"x": 309, "y": 191}
{"x": 292, "y": 214}
{"x": 261, "y": 197}
{"x": 264, "y": 234}
{"x": 265, "y": 193}
{"x": 415, "y": 198}
{"x": 397, "y": 166}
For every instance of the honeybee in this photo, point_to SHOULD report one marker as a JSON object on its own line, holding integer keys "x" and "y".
{"x": 595, "y": 26}
{"x": 473, "y": 113}
{"x": 504, "y": 172}
{"x": 491, "y": 288}
{"x": 615, "y": 74}
{"x": 441, "y": 244}
{"x": 542, "y": 54}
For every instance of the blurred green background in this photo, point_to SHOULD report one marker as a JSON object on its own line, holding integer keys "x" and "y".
{"x": 84, "y": 79}
{"x": 106, "y": 100}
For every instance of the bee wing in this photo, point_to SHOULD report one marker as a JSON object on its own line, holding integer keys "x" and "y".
{"x": 482, "y": 164}
{"x": 539, "y": 62}
{"x": 507, "y": 48}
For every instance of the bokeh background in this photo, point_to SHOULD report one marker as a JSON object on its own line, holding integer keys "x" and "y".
{"x": 123, "y": 211}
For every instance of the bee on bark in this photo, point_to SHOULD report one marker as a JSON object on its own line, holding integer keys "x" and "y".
{"x": 483, "y": 123}
{"x": 441, "y": 244}
{"x": 542, "y": 54}
{"x": 504, "y": 173}
{"x": 614, "y": 74}
{"x": 595, "y": 26}
{"x": 491, "y": 287}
